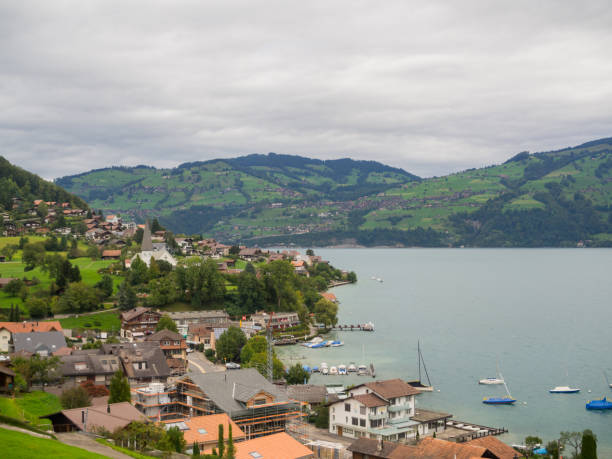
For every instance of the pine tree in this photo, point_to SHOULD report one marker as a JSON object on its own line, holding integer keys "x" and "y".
{"x": 220, "y": 443}
{"x": 230, "y": 452}
{"x": 17, "y": 314}
{"x": 196, "y": 450}
{"x": 119, "y": 388}
{"x": 11, "y": 314}
{"x": 589, "y": 445}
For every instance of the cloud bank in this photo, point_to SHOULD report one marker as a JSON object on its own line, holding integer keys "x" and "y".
{"x": 431, "y": 87}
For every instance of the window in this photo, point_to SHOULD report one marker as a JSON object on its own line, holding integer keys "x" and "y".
{"x": 104, "y": 362}
{"x": 355, "y": 421}
{"x": 362, "y": 423}
{"x": 255, "y": 454}
{"x": 362, "y": 410}
{"x": 373, "y": 410}
{"x": 80, "y": 366}
{"x": 376, "y": 423}
{"x": 259, "y": 401}
{"x": 347, "y": 407}
{"x": 202, "y": 431}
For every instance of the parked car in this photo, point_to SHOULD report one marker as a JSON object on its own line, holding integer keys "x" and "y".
{"x": 232, "y": 366}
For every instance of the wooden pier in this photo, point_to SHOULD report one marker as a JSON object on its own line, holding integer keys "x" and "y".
{"x": 359, "y": 327}
{"x": 466, "y": 431}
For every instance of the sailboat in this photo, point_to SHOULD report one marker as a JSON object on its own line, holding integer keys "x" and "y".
{"x": 509, "y": 400}
{"x": 418, "y": 384}
{"x": 497, "y": 380}
{"x": 564, "y": 389}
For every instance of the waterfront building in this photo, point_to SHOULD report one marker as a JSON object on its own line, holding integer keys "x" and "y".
{"x": 383, "y": 409}
{"x": 213, "y": 319}
{"x": 278, "y": 320}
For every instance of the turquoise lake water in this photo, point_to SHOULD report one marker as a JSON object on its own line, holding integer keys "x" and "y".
{"x": 544, "y": 314}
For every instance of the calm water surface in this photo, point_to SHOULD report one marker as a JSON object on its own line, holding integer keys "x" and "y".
{"x": 544, "y": 314}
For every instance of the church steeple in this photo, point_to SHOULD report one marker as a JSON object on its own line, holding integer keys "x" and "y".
{"x": 147, "y": 243}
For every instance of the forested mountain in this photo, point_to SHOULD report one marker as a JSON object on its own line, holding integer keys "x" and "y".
{"x": 557, "y": 198}
{"x": 19, "y": 183}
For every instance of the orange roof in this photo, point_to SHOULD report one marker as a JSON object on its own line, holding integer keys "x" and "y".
{"x": 298, "y": 263}
{"x": 26, "y": 327}
{"x": 329, "y": 296}
{"x": 210, "y": 426}
{"x": 434, "y": 447}
{"x": 496, "y": 446}
{"x": 111, "y": 253}
{"x": 277, "y": 446}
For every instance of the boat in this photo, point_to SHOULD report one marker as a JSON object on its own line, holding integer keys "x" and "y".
{"x": 337, "y": 343}
{"x": 341, "y": 369}
{"x": 362, "y": 370}
{"x": 333, "y": 371}
{"x": 379, "y": 280}
{"x": 372, "y": 370}
{"x": 315, "y": 369}
{"x": 367, "y": 327}
{"x": 324, "y": 371}
{"x": 351, "y": 368}
{"x": 564, "y": 390}
{"x": 317, "y": 345}
{"x": 306, "y": 368}
{"x": 312, "y": 342}
{"x": 509, "y": 400}
{"x": 497, "y": 380}
{"x": 602, "y": 404}
{"x": 418, "y": 384}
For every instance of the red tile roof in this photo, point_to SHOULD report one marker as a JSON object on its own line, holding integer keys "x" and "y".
{"x": 26, "y": 327}
{"x": 496, "y": 446}
{"x": 392, "y": 388}
{"x": 370, "y": 400}
{"x": 277, "y": 446}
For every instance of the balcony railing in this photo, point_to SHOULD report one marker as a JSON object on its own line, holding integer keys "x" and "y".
{"x": 399, "y": 407}
{"x": 375, "y": 417}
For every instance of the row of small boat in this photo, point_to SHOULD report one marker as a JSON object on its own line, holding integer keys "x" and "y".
{"x": 556, "y": 390}
{"x": 324, "y": 369}
{"x": 318, "y": 342}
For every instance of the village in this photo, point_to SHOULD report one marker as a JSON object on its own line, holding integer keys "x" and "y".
{"x": 171, "y": 362}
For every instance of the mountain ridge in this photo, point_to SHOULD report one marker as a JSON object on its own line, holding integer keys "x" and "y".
{"x": 275, "y": 198}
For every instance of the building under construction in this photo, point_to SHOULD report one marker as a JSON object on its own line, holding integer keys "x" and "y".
{"x": 257, "y": 406}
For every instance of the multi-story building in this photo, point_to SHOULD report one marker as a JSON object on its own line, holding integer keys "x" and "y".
{"x": 142, "y": 362}
{"x": 278, "y": 320}
{"x": 8, "y": 329}
{"x": 138, "y": 322}
{"x": 213, "y": 319}
{"x": 89, "y": 365}
{"x": 256, "y": 405}
{"x": 202, "y": 334}
{"x": 383, "y": 410}
{"x": 174, "y": 347}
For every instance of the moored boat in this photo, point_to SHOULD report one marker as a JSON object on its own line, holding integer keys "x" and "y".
{"x": 337, "y": 343}
{"x": 351, "y": 368}
{"x": 564, "y": 390}
{"x": 491, "y": 381}
{"x": 362, "y": 370}
{"x": 341, "y": 369}
{"x": 498, "y": 400}
{"x": 324, "y": 371}
{"x": 602, "y": 404}
{"x": 333, "y": 371}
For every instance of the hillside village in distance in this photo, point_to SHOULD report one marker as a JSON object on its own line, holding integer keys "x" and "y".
{"x": 178, "y": 374}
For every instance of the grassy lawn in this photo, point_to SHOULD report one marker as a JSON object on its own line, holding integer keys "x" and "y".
{"x": 29, "y": 407}
{"x": 126, "y": 451}
{"x": 17, "y": 445}
{"x": 105, "y": 321}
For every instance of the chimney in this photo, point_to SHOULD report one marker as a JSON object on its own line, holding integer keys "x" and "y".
{"x": 108, "y": 408}
{"x": 83, "y": 416}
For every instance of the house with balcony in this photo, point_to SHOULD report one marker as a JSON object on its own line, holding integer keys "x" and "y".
{"x": 383, "y": 410}
{"x": 174, "y": 347}
{"x": 138, "y": 322}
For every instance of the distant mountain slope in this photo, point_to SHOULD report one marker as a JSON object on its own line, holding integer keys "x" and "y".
{"x": 556, "y": 198}
{"x": 19, "y": 183}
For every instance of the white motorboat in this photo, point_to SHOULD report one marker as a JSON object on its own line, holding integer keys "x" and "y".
{"x": 324, "y": 371}
{"x": 351, "y": 368}
{"x": 362, "y": 370}
{"x": 333, "y": 371}
{"x": 491, "y": 381}
{"x": 564, "y": 390}
{"x": 341, "y": 369}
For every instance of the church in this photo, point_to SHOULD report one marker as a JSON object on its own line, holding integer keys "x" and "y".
{"x": 148, "y": 251}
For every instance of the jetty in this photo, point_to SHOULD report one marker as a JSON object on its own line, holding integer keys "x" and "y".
{"x": 358, "y": 327}
{"x": 461, "y": 431}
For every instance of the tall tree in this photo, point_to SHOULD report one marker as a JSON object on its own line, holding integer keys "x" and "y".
{"x": 75, "y": 397}
{"x": 589, "y": 445}
{"x": 126, "y": 297}
{"x": 166, "y": 323}
{"x": 220, "y": 442}
{"x": 230, "y": 451}
{"x": 230, "y": 343}
{"x": 119, "y": 388}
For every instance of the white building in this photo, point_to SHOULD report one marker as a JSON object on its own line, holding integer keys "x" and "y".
{"x": 383, "y": 410}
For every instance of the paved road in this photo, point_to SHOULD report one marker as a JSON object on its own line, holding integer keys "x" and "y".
{"x": 198, "y": 362}
{"x": 86, "y": 442}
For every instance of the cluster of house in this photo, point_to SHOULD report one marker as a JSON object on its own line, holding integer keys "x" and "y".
{"x": 34, "y": 222}
{"x": 111, "y": 230}
{"x": 378, "y": 417}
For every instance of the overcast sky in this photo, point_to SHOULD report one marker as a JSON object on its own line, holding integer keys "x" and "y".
{"x": 432, "y": 87}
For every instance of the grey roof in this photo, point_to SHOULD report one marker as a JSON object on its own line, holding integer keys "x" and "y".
{"x": 219, "y": 386}
{"x": 164, "y": 334}
{"x": 308, "y": 393}
{"x": 95, "y": 364}
{"x": 197, "y": 314}
{"x": 38, "y": 341}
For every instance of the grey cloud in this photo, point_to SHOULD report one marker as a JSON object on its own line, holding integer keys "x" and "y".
{"x": 432, "y": 87}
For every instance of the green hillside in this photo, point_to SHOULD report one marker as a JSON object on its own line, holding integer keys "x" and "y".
{"x": 18, "y": 183}
{"x": 557, "y": 198}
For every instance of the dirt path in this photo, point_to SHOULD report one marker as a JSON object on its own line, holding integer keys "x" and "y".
{"x": 86, "y": 442}
{"x": 25, "y": 431}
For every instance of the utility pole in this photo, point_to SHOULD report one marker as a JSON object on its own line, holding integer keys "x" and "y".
{"x": 270, "y": 367}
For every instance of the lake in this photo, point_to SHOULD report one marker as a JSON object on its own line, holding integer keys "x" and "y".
{"x": 544, "y": 314}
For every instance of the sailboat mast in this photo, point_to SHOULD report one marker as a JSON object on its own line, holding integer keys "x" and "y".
{"x": 419, "y": 358}
{"x": 424, "y": 367}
